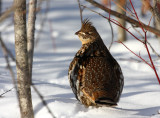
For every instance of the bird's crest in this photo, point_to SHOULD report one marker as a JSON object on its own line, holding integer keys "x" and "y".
{"x": 87, "y": 25}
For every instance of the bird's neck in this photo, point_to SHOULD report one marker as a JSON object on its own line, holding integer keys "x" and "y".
{"x": 88, "y": 40}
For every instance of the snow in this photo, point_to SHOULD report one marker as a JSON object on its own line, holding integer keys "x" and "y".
{"x": 53, "y": 54}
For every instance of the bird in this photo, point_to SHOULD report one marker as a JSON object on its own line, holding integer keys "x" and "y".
{"x": 95, "y": 76}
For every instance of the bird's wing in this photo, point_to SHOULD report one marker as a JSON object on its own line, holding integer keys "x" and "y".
{"x": 73, "y": 75}
{"x": 100, "y": 80}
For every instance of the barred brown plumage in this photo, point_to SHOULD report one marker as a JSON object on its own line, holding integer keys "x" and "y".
{"x": 95, "y": 76}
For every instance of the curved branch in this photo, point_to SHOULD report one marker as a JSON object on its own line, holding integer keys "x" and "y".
{"x": 124, "y": 17}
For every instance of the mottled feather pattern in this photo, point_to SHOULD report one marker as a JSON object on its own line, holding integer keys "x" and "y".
{"x": 95, "y": 76}
{"x": 95, "y": 69}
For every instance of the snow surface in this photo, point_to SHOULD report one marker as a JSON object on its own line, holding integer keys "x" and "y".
{"x": 53, "y": 54}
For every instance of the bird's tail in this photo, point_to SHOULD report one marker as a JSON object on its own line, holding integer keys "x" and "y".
{"x": 105, "y": 102}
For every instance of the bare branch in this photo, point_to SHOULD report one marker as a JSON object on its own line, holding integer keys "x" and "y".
{"x": 7, "y": 13}
{"x": 156, "y": 10}
{"x": 10, "y": 10}
{"x": 115, "y": 22}
{"x": 30, "y": 34}
{"x": 124, "y": 17}
{"x": 130, "y": 13}
{"x": 5, "y": 52}
{"x": 52, "y": 36}
{"x": 43, "y": 101}
{"x": 153, "y": 50}
{"x": 137, "y": 55}
{"x": 136, "y": 60}
{"x": 6, "y": 92}
{"x": 37, "y": 39}
{"x": 112, "y": 34}
{"x": 80, "y": 10}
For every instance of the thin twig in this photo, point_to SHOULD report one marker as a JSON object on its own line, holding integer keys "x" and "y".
{"x": 112, "y": 35}
{"x": 31, "y": 34}
{"x": 115, "y": 22}
{"x": 7, "y": 13}
{"x": 138, "y": 32}
{"x": 5, "y": 52}
{"x": 123, "y": 8}
{"x": 110, "y": 27}
{"x": 149, "y": 55}
{"x": 53, "y": 38}
{"x": 153, "y": 50}
{"x": 52, "y": 35}
{"x": 150, "y": 20}
{"x": 145, "y": 44}
{"x": 7, "y": 25}
{"x": 129, "y": 10}
{"x": 44, "y": 16}
{"x": 141, "y": 24}
{"x": 124, "y": 17}
{"x": 130, "y": 60}
{"x": 154, "y": 10}
{"x": 134, "y": 60}
{"x": 6, "y": 92}
{"x": 43, "y": 101}
{"x": 136, "y": 54}
{"x": 80, "y": 10}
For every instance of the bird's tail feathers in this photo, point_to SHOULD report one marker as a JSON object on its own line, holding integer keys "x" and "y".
{"x": 105, "y": 102}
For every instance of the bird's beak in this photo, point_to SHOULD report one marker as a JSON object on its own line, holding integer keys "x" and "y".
{"x": 77, "y": 33}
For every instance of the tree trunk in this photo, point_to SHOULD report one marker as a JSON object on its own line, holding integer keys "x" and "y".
{"x": 24, "y": 91}
{"x": 0, "y": 6}
{"x": 0, "y": 12}
{"x": 156, "y": 13}
{"x": 121, "y": 32}
{"x": 30, "y": 34}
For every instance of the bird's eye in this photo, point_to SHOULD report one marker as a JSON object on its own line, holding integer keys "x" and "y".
{"x": 88, "y": 32}
{"x": 83, "y": 33}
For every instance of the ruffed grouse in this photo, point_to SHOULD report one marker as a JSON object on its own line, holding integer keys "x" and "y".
{"x": 95, "y": 76}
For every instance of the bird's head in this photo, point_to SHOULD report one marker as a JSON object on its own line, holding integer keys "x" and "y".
{"x": 87, "y": 33}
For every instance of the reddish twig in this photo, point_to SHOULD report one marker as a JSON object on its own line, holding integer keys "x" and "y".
{"x": 144, "y": 42}
{"x": 123, "y": 8}
{"x": 130, "y": 10}
{"x": 136, "y": 54}
{"x": 153, "y": 67}
{"x": 137, "y": 16}
{"x": 115, "y": 22}
{"x": 150, "y": 20}
{"x": 124, "y": 17}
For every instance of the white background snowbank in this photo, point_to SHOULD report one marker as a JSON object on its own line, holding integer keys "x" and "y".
{"x": 141, "y": 93}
